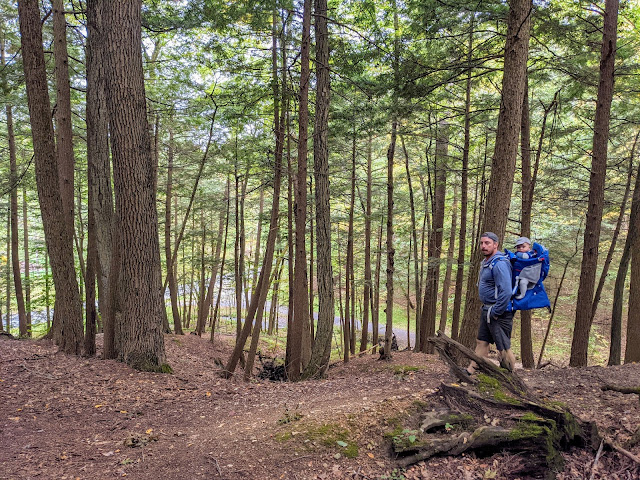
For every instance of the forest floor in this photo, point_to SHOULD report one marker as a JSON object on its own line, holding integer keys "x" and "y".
{"x": 67, "y": 417}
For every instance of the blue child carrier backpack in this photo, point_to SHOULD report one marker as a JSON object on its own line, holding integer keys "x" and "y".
{"x": 535, "y": 269}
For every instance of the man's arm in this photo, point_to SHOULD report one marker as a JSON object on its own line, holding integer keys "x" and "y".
{"x": 502, "y": 279}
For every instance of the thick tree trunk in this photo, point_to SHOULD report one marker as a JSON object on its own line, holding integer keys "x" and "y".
{"x": 632, "y": 352}
{"x": 319, "y": 361}
{"x": 99, "y": 176}
{"x": 506, "y": 146}
{"x": 140, "y": 298}
{"x": 584, "y": 301}
{"x": 64, "y": 138}
{"x": 301, "y": 298}
{"x": 58, "y": 235}
{"x": 428, "y": 320}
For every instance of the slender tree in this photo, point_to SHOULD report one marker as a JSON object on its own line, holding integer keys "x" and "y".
{"x": 584, "y": 301}
{"x": 506, "y": 146}
{"x": 58, "y": 234}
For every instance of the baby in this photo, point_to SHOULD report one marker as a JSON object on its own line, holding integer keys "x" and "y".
{"x": 524, "y": 251}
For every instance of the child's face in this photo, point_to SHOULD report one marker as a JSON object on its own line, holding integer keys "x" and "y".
{"x": 523, "y": 247}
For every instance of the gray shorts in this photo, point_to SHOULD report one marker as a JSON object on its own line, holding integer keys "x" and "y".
{"x": 497, "y": 330}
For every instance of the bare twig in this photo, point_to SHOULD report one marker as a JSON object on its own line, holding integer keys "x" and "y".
{"x": 621, "y": 450}
{"x": 595, "y": 461}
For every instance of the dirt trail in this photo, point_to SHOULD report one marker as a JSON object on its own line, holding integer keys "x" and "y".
{"x": 65, "y": 417}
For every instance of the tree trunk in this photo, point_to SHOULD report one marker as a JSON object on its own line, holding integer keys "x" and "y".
{"x": 319, "y": 361}
{"x": 446, "y": 284}
{"x": 349, "y": 297}
{"x": 464, "y": 196}
{"x": 58, "y": 235}
{"x": 506, "y": 146}
{"x": 204, "y": 313}
{"x": 64, "y": 137}
{"x": 526, "y": 341}
{"x": 140, "y": 296}
{"x": 173, "y": 285}
{"x": 632, "y": 351}
{"x": 259, "y": 296}
{"x": 584, "y": 301}
{"x": 224, "y": 256}
{"x": 414, "y": 236}
{"x": 8, "y": 276}
{"x": 428, "y": 320}
{"x": 99, "y": 170}
{"x": 25, "y": 241}
{"x": 367, "y": 253}
{"x": 390, "y": 250}
{"x": 15, "y": 245}
{"x": 301, "y": 299}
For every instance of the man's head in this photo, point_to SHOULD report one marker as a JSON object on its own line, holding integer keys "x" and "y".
{"x": 523, "y": 244}
{"x": 489, "y": 244}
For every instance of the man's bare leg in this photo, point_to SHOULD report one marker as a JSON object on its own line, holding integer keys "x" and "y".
{"x": 482, "y": 350}
{"x": 507, "y": 359}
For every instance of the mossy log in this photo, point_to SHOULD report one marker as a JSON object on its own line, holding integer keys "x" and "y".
{"x": 490, "y": 413}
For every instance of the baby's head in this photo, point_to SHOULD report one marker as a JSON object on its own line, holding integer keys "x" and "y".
{"x": 523, "y": 244}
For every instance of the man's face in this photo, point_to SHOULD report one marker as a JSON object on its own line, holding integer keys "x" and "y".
{"x": 488, "y": 247}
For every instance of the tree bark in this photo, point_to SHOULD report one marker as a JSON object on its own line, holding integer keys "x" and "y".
{"x": 584, "y": 301}
{"x": 506, "y": 146}
{"x": 319, "y": 361}
{"x": 58, "y": 235}
{"x": 446, "y": 284}
{"x": 25, "y": 241}
{"x": 99, "y": 170}
{"x": 301, "y": 298}
{"x": 140, "y": 298}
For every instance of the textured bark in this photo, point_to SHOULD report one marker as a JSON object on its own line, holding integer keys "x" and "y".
{"x": 632, "y": 351}
{"x": 506, "y": 146}
{"x": 140, "y": 295}
{"x": 99, "y": 170}
{"x": 224, "y": 256}
{"x": 584, "y": 301}
{"x": 428, "y": 320}
{"x": 58, "y": 235}
{"x": 319, "y": 361}
{"x": 349, "y": 293}
{"x": 171, "y": 278}
{"x": 64, "y": 136}
{"x": 301, "y": 299}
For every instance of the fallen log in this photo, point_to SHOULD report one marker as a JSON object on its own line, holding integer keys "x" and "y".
{"x": 491, "y": 412}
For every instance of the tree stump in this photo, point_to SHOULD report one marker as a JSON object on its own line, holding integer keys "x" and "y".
{"x": 490, "y": 413}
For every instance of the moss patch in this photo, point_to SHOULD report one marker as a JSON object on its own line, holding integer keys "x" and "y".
{"x": 491, "y": 387}
{"x": 328, "y": 435}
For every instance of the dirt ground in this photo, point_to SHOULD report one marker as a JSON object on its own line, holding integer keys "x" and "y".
{"x": 66, "y": 417}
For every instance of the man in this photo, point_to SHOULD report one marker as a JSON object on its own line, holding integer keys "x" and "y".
{"x": 494, "y": 288}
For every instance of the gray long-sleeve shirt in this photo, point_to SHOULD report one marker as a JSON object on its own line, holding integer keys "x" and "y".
{"x": 494, "y": 285}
